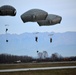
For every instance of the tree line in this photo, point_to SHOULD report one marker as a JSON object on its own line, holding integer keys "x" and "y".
{"x": 8, "y": 58}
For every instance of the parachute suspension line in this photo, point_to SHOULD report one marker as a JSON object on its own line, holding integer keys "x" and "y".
{"x": 6, "y": 35}
{"x": 36, "y": 40}
{"x": 6, "y": 32}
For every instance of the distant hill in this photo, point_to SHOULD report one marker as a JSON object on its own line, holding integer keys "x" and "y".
{"x": 25, "y": 44}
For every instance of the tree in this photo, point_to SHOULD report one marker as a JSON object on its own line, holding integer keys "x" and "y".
{"x": 40, "y": 54}
{"x": 55, "y": 57}
{"x": 45, "y": 54}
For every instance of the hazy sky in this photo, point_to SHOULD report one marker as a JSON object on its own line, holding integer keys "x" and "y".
{"x": 64, "y": 8}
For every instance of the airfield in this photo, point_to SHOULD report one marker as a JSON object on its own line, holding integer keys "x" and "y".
{"x": 43, "y": 68}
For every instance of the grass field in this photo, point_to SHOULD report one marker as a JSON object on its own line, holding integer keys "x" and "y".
{"x": 39, "y": 72}
{"x": 44, "y": 72}
{"x": 35, "y": 65}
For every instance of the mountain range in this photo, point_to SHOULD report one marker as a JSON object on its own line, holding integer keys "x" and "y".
{"x": 25, "y": 44}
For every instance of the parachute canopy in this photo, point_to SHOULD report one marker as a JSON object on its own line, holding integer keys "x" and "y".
{"x": 7, "y": 10}
{"x": 51, "y": 19}
{"x": 34, "y": 15}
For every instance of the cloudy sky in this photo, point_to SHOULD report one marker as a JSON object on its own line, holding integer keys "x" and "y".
{"x": 64, "y": 8}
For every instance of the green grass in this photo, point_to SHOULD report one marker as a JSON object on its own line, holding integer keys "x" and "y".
{"x": 34, "y": 65}
{"x": 44, "y": 72}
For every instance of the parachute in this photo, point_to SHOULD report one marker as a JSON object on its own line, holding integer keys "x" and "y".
{"x": 51, "y": 19}
{"x": 41, "y": 17}
{"x": 34, "y": 15}
{"x": 7, "y": 10}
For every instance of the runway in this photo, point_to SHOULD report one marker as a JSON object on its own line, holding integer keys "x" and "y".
{"x": 43, "y": 68}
